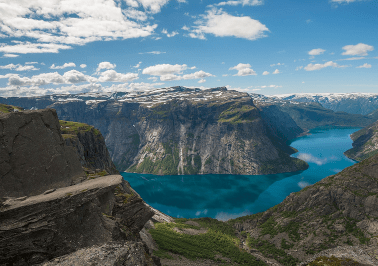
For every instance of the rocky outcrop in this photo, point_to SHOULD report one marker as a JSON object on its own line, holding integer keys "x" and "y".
{"x": 186, "y": 131}
{"x": 336, "y": 211}
{"x": 61, "y": 221}
{"x": 365, "y": 143}
{"x": 90, "y": 148}
{"x": 49, "y": 211}
{"x": 33, "y": 157}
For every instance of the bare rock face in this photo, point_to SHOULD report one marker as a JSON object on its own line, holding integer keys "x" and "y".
{"x": 94, "y": 212}
{"x": 178, "y": 130}
{"x": 33, "y": 157}
{"x": 110, "y": 254}
{"x": 90, "y": 147}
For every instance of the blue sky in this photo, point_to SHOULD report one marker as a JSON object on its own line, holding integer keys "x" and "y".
{"x": 261, "y": 46}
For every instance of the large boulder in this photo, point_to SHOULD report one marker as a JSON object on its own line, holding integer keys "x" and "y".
{"x": 33, "y": 156}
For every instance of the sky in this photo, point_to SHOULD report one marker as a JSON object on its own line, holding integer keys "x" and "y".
{"x": 257, "y": 46}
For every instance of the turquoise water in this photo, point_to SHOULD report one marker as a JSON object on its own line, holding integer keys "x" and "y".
{"x": 230, "y": 196}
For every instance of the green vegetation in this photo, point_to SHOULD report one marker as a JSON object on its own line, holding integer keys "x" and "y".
{"x": 4, "y": 108}
{"x": 332, "y": 261}
{"x": 208, "y": 161}
{"x": 270, "y": 250}
{"x": 220, "y": 238}
{"x": 73, "y": 128}
{"x": 238, "y": 113}
{"x": 285, "y": 245}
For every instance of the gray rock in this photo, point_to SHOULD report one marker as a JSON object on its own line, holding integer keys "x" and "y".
{"x": 33, "y": 157}
{"x": 91, "y": 213}
{"x": 110, "y": 254}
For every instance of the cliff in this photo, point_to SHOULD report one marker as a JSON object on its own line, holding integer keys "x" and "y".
{"x": 365, "y": 143}
{"x": 90, "y": 148}
{"x": 49, "y": 210}
{"x": 33, "y": 157}
{"x": 185, "y": 131}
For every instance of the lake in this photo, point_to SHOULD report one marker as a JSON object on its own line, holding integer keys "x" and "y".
{"x": 230, "y": 196}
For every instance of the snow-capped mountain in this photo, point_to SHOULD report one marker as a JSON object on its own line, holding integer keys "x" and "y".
{"x": 354, "y": 103}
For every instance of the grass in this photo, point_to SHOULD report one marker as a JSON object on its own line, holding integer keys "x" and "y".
{"x": 5, "y": 108}
{"x": 219, "y": 239}
{"x": 238, "y": 113}
{"x": 73, "y": 128}
{"x": 270, "y": 250}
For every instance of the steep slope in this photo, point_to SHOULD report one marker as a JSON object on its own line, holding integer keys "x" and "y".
{"x": 340, "y": 210}
{"x": 90, "y": 148}
{"x": 185, "y": 131}
{"x": 365, "y": 143}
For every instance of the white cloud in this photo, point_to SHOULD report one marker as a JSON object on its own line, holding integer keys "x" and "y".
{"x": 164, "y": 69}
{"x": 352, "y": 58}
{"x": 105, "y": 65}
{"x": 169, "y": 72}
{"x": 312, "y": 67}
{"x": 276, "y": 71}
{"x": 83, "y": 65}
{"x": 344, "y": 1}
{"x": 71, "y": 76}
{"x": 241, "y": 2}
{"x": 113, "y": 76}
{"x": 299, "y": 68}
{"x": 153, "y": 52}
{"x": 31, "y": 63}
{"x": 169, "y": 35}
{"x": 358, "y": 49}
{"x": 197, "y": 75}
{"x": 202, "y": 81}
{"x": 278, "y": 64}
{"x": 317, "y": 51}
{"x": 308, "y": 21}
{"x": 19, "y": 67}
{"x": 10, "y": 55}
{"x": 366, "y": 65}
{"x": 28, "y": 47}
{"x": 222, "y": 24}
{"x": 54, "y": 25}
{"x": 137, "y": 65}
{"x": 224, "y": 75}
{"x": 266, "y": 73}
{"x": 64, "y": 66}
{"x": 243, "y": 70}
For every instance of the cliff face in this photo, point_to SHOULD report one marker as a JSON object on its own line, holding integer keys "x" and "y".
{"x": 47, "y": 207}
{"x": 90, "y": 148}
{"x": 365, "y": 143}
{"x": 185, "y": 131}
{"x": 33, "y": 157}
{"x": 336, "y": 211}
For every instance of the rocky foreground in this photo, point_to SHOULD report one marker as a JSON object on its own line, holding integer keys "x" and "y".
{"x": 54, "y": 201}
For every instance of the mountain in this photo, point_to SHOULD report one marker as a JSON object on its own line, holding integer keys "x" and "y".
{"x": 353, "y": 103}
{"x": 365, "y": 143}
{"x": 50, "y": 210}
{"x": 309, "y": 115}
{"x": 180, "y": 131}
